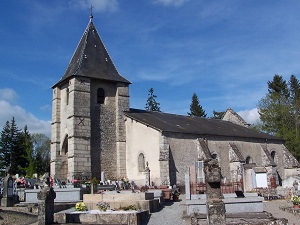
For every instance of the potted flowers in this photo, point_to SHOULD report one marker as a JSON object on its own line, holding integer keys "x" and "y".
{"x": 175, "y": 195}
{"x": 80, "y": 206}
{"x": 296, "y": 201}
{"x": 103, "y": 206}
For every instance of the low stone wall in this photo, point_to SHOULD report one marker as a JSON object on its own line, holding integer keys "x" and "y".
{"x": 114, "y": 217}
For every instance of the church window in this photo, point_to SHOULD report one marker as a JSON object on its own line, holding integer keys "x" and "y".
{"x": 141, "y": 162}
{"x": 65, "y": 145}
{"x": 214, "y": 156}
{"x": 199, "y": 171}
{"x": 67, "y": 94}
{"x": 273, "y": 155}
{"x": 100, "y": 96}
{"x": 249, "y": 160}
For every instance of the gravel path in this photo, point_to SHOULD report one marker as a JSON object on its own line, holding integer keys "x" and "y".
{"x": 170, "y": 214}
{"x": 273, "y": 207}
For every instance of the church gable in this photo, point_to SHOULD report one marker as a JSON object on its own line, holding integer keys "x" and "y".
{"x": 231, "y": 116}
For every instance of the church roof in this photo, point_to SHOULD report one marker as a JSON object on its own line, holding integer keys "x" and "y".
{"x": 166, "y": 122}
{"x": 91, "y": 59}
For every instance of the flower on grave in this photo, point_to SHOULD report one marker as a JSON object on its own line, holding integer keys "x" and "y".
{"x": 80, "y": 206}
{"x": 175, "y": 193}
{"x": 103, "y": 206}
{"x": 295, "y": 200}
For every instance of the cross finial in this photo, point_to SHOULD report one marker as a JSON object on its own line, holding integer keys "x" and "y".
{"x": 91, "y": 9}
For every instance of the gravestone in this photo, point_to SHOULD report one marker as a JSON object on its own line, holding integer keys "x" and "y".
{"x": 8, "y": 192}
{"x": 46, "y": 203}
{"x": 215, "y": 205}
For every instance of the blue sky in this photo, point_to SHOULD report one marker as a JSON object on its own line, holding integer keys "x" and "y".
{"x": 224, "y": 50}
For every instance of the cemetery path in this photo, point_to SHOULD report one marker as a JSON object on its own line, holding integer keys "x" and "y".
{"x": 170, "y": 214}
{"x": 273, "y": 207}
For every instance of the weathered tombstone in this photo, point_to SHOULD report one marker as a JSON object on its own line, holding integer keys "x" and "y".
{"x": 102, "y": 177}
{"x": 8, "y": 192}
{"x": 215, "y": 205}
{"x": 46, "y": 203}
{"x": 147, "y": 173}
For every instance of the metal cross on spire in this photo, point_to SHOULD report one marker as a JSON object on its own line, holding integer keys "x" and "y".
{"x": 91, "y": 9}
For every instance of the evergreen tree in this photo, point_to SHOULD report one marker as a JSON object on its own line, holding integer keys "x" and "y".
{"x": 17, "y": 153}
{"x": 195, "y": 107}
{"x": 27, "y": 164}
{"x": 12, "y": 145}
{"x": 152, "y": 104}
{"x": 279, "y": 111}
{"x": 5, "y": 147}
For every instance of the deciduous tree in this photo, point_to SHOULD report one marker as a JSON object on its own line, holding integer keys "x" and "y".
{"x": 279, "y": 111}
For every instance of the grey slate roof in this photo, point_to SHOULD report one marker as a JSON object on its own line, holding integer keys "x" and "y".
{"x": 91, "y": 59}
{"x": 166, "y": 122}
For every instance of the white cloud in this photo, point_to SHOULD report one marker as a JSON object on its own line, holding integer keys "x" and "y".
{"x": 8, "y": 94}
{"x": 251, "y": 116}
{"x": 171, "y": 2}
{"x": 22, "y": 118}
{"x": 98, "y": 5}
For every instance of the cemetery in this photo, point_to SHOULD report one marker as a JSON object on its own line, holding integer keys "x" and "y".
{"x": 102, "y": 151}
{"x": 110, "y": 203}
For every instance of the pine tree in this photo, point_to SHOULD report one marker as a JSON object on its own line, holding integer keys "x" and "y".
{"x": 195, "y": 107}
{"x": 27, "y": 162}
{"x": 16, "y": 151}
{"x": 152, "y": 104}
{"x": 5, "y": 147}
{"x": 12, "y": 146}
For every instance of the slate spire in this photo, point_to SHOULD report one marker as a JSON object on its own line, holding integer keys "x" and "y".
{"x": 91, "y": 59}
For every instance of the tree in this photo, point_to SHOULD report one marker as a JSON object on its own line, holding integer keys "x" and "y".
{"x": 5, "y": 147}
{"x": 195, "y": 107}
{"x": 218, "y": 115}
{"x": 27, "y": 146}
{"x": 41, "y": 153}
{"x": 13, "y": 154}
{"x": 152, "y": 104}
{"x": 279, "y": 111}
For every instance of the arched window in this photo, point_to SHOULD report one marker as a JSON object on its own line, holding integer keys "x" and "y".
{"x": 67, "y": 96}
{"x": 273, "y": 155}
{"x": 141, "y": 162}
{"x": 65, "y": 146}
{"x": 214, "y": 156}
{"x": 100, "y": 96}
{"x": 249, "y": 160}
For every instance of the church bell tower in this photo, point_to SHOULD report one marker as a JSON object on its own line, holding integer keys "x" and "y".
{"x": 88, "y": 129}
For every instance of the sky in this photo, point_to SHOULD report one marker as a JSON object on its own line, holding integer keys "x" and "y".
{"x": 225, "y": 51}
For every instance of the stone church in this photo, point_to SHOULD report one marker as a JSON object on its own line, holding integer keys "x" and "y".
{"x": 94, "y": 130}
